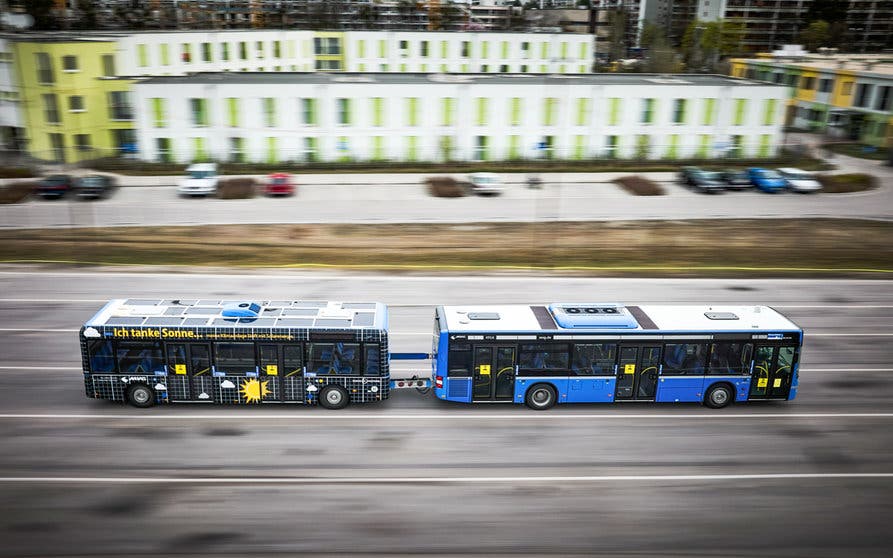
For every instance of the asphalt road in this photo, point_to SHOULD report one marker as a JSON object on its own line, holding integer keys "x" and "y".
{"x": 412, "y": 475}
{"x": 404, "y": 199}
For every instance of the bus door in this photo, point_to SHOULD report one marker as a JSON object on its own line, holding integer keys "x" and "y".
{"x": 203, "y": 383}
{"x": 637, "y": 372}
{"x": 185, "y": 366}
{"x": 494, "y": 373}
{"x": 270, "y": 373}
{"x": 773, "y": 367}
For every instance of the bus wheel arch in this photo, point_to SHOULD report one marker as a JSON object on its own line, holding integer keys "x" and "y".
{"x": 541, "y": 396}
{"x": 334, "y": 397}
{"x": 140, "y": 395}
{"x": 719, "y": 395}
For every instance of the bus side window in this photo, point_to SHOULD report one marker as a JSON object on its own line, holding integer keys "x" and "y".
{"x": 235, "y": 358}
{"x": 542, "y": 356}
{"x": 201, "y": 359}
{"x": 594, "y": 359}
{"x": 102, "y": 358}
{"x": 372, "y": 364}
{"x": 459, "y": 364}
{"x": 292, "y": 360}
{"x": 685, "y": 359}
{"x": 139, "y": 357}
{"x": 729, "y": 358}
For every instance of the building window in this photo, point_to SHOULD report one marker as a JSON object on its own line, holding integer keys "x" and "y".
{"x": 308, "y": 111}
{"x": 679, "y": 111}
{"x": 846, "y": 88}
{"x": 326, "y": 46}
{"x": 243, "y": 50}
{"x": 186, "y": 52}
{"x": 481, "y": 119}
{"x": 863, "y": 94}
{"x": 199, "y": 110}
{"x": 119, "y": 105}
{"x": 237, "y": 150}
{"x": 108, "y": 65}
{"x": 404, "y": 49}
{"x": 883, "y": 99}
{"x": 424, "y": 49}
{"x": 259, "y": 48}
{"x": 57, "y": 143}
{"x": 76, "y": 103}
{"x": 550, "y": 108}
{"x": 163, "y": 150}
{"x": 808, "y": 83}
{"x": 70, "y": 63}
{"x": 82, "y": 142}
{"x": 328, "y": 64}
{"x": 503, "y": 68}
{"x": 206, "y": 52}
{"x": 825, "y": 85}
{"x": 448, "y": 112}
{"x": 480, "y": 148}
{"x": 44, "y": 68}
{"x": 158, "y": 112}
{"x": 466, "y": 49}
{"x": 311, "y": 152}
{"x": 412, "y": 111}
{"x": 515, "y": 114}
{"x": 269, "y": 107}
{"x": 164, "y": 54}
{"x": 50, "y": 109}
{"x": 740, "y": 111}
{"x": 224, "y": 52}
{"x": 142, "y": 55}
{"x": 343, "y": 111}
{"x": 647, "y": 111}
{"x": 525, "y": 50}
{"x": 582, "y": 111}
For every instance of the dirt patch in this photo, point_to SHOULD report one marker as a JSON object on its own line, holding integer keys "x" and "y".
{"x": 640, "y": 186}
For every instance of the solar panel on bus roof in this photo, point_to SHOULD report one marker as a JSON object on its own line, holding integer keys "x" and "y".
{"x": 141, "y": 302}
{"x": 329, "y": 322}
{"x": 174, "y": 311}
{"x": 358, "y": 306}
{"x": 363, "y": 319}
{"x": 300, "y": 311}
{"x": 163, "y": 321}
{"x": 310, "y": 304}
{"x": 124, "y": 321}
{"x": 195, "y": 321}
{"x": 294, "y": 322}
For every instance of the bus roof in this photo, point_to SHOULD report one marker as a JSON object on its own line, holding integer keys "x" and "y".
{"x": 612, "y": 318}
{"x": 303, "y": 314}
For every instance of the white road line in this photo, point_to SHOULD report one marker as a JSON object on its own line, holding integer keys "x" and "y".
{"x": 520, "y": 415}
{"x": 438, "y": 480}
{"x": 432, "y": 305}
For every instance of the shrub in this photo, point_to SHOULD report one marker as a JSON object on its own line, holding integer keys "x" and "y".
{"x": 446, "y": 187}
{"x": 843, "y": 183}
{"x": 15, "y": 172}
{"x": 236, "y": 188}
{"x": 16, "y": 191}
{"x": 640, "y": 186}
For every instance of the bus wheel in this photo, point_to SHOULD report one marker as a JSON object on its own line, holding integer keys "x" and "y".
{"x": 541, "y": 397}
{"x": 140, "y": 395}
{"x": 718, "y": 396}
{"x": 333, "y": 397}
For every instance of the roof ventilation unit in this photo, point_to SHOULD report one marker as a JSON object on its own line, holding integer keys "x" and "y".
{"x": 592, "y": 316}
{"x": 241, "y": 310}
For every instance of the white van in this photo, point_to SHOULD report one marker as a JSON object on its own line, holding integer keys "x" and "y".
{"x": 201, "y": 180}
{"x": 485, "y": 183}
{"x": 800, "y": 181}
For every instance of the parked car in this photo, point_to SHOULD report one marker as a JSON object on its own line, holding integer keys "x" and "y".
{"x": 736, "y": 179}
{"x": 767, "y": 180}
{"x": 706, "y": 181}
{"x": 201, "y": 180}
{"x": 54, "y": 186}
{"x": 93, "y": 186}
{"x": 800, "y": 181}
{"x": 279, "y": 184}
{"x": 485, "y": 183}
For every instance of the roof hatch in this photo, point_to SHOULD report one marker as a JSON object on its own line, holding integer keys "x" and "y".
{"x": 592, "y": 316}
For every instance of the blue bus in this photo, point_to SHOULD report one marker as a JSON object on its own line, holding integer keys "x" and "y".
{"x": 602, "y": 353}
{"x": 154, "y": 351}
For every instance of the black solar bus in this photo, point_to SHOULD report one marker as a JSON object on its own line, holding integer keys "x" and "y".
{"x": 155, "y": 351}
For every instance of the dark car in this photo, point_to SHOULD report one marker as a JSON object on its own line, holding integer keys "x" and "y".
{"x": 736, "y": 179}
{"x": 705, "y": 181}
{"x": 54, "y": 186}
{"x": 93, "y": 186}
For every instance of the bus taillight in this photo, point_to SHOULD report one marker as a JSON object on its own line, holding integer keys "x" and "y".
{"x": 438, "y": 381}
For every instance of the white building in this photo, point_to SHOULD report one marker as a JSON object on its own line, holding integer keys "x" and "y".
{"x": 273, "y": 117}
{"x": 12, "y": 127}
{"x": 178, "y": 53}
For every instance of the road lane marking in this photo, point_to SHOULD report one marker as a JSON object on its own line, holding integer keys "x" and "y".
{"x": 520, "y": 415}
{"x": 440, "y": 480}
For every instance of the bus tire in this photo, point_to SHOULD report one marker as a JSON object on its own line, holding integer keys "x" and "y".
{"x": 140, "y": 395}
{"x": 541, "y": 397}
{"x": 334, "y": 397}
{"x": 719, "y": 396}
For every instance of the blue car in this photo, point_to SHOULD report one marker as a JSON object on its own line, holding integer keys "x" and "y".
{"x": 767, "y": 180}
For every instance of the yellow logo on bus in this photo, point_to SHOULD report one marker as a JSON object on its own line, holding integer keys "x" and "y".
{"x": 485, "y": 370}
{"x": 629, "y": 369}
{"x": 272, "y": 370}
{"x": 252, "y": 390}
{"x": 179, "y": 369}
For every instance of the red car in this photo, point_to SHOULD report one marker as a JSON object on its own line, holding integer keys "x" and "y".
{"x": 279, "y": 184}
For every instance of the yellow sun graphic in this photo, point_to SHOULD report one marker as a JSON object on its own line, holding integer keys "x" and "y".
{"x": 252, "y": 390}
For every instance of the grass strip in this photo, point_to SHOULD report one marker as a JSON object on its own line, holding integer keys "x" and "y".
{"x": 697, "y": 248}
